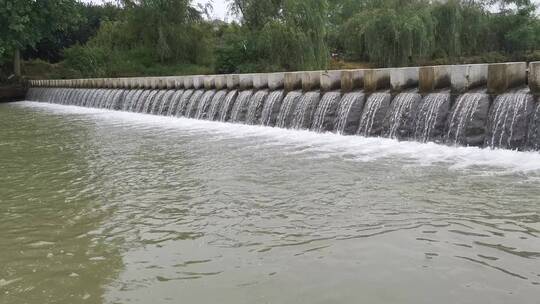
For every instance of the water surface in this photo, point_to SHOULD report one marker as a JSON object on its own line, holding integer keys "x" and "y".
{"x": 99, "y": 206}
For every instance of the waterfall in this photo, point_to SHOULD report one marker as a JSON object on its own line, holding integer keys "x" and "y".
{"x": 239, "y": 109}
{"x": 325, "y": 114}
{"x": 508, "y": 121}
{"x": 467, "y": 120}
{"x": 349, "y": 112}
{"x": 304, "y": 111}
{"x": 431, "y": 117}
{"x": 533, "y": 134}
{"x": 511, "y": 122}
{"x": 193, "y": 104}
{"x": 181, "y": 110}
{"x": 165, "y": 103}
{"x": 373, "y": 114}
{"x": 271, "y": 108}
{"x": 288, "y": 108}
{"x": 399, "y": 121}
{"x": 216, "y": 104}
{"x": 226, "y": 108}
{"x": 204, "y": 103}
{"x": 175, "y": 99}
{"x": 256, "y": 103}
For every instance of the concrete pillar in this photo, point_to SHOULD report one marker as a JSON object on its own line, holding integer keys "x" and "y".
{"x": 178, "y": 82}
{"x": 246, "y": 81}
{"x": 276, "y": 81}
{"x": 503, "y": 76}
{"x": 161, "y": 83}
{"x": 433, "y": 78}
{"x": 209, "y": 82}
{"x": 198, "y": 82}
{"x": 534, "y": 77}
{"x": 376, "y": 79}
{"x": 260, "y": 81}
{"x": 468, "y": 76}
{"x": 330, "y": 80}
{"x": 233, "y": 81}
{"x": 293, "y": 81}
{"x": 311, "y": 80}
{"x": 220, "y": 82}
{"x": 188, "y": 82}
{"x": 403, "y": 78}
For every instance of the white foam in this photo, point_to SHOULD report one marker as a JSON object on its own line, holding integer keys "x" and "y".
{"x": 353, "y": 147}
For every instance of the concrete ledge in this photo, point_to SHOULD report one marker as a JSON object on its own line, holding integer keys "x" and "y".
{"x": 233, "y": 81}
{"x": 403, "y": 78}
{"x": 433, "y": 78}
{"x": 503, "y": 76}
{"x": 276, "y": 81}
{"x": 209, "y": 82}
{"x": 198, "y": 82}
{"x": 330, "y": 80}
{"x": 376, "y": 79}
{"x": 245, "y": 81}
{"x": 188, "y": 82}
{"x": 220, "y": 82}
{"x": 352, "y": 80}
{"x": 311, "y": 80}
{"x": 466, "y": 77}
{"x": 292, "y": 81}
{"x": 534, "y": 77}
{"x": 260, "y": 81}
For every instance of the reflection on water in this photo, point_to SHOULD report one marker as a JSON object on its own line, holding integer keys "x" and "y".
{"x": 108, "y": 207}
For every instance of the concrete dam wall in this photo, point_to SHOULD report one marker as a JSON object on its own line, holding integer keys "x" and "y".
{"x": 485, "y": 105}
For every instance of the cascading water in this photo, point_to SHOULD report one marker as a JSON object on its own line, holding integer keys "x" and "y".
{"x": 373, "y": 114}
{"x": 400, "y": 118}
{"x": 349, "y": 112}
{"x": 181, "y": 110}
{"x": 228, "y": 104}
{"x": 508, "y": 123}
{"x": 303, "y": 114}
{"x": 513, "y": 121}
{"x": 431, "y": 117}
{"x": 271, "y": 108}
{"x": 325, "y": 114}
{"x": 215, "y": 105}
{"x": 467, "y": 120}
{"x": 533, "y": 140}
{"x": 238, "y": 112}
{"x": 254, "y": 110}
{"x": 175, "y": 99}
{"x": 193, "y": 104}
{"x": 204, "y": 103}
{"x": 288, "y": 108}
{"x": 163, "y": 107}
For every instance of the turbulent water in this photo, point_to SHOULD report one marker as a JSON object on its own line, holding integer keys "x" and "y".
{"x": 100, "y": 206}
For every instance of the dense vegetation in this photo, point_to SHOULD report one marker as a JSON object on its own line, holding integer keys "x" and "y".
{"x": 67, "y": 38}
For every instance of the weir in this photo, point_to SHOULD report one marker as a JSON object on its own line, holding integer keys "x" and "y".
{"x": 484, "y": 105}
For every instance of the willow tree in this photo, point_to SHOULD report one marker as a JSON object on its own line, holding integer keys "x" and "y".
{"x": 390, "y": 36}
{"x": 23, "y": 23}
{"x": 285, "y": 34}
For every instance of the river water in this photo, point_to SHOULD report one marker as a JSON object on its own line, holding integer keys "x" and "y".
{"x": 99, "y": 206}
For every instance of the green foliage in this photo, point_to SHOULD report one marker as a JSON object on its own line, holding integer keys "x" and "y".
{"x": 24, "y": 23}
{"x": 152, "y": 37}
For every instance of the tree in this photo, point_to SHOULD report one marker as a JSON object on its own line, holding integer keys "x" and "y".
{"x": 23, "y": 23}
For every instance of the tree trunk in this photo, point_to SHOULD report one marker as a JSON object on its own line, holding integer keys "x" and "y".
{"x": 17, "y": 63}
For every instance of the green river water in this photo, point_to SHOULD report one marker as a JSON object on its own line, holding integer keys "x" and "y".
{"x": 108, "y": 207}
